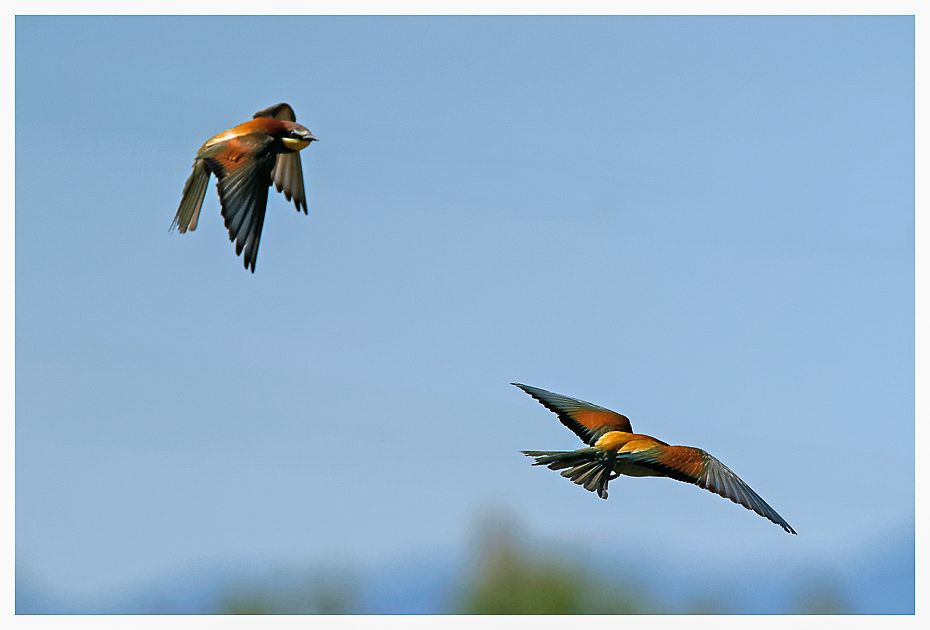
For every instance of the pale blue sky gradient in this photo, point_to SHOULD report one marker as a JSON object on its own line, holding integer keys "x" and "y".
{"x": 704, "y": 223}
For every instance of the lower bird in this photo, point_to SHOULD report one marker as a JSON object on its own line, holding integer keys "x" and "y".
{"x": 614, "y": 450}
{"x": 247, "y": 160}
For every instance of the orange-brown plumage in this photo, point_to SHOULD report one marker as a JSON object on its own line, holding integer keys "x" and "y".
{"x": 615, "y": 450}
{"x": 247, "y": 159}
{"x": 688, "y": 461}
{"x": 587, "y": 421}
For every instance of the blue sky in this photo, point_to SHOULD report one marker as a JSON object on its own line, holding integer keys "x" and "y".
{"x": 704, "y": 223}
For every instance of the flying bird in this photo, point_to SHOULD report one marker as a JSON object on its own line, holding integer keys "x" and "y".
{"x": 246, "y": 160}
{"x": 614, "y": 450}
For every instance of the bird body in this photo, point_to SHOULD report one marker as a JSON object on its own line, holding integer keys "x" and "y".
{"x": 247, "y": 160}
{"x": 615, "y": 450}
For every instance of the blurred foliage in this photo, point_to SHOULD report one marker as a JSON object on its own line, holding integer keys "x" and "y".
{"x": 510, "y": 579}
{"x": 708, "y": 606}
{"x": 334, "y": 594}
{"x": 507, "y": 575}
{"x": 820, "y": 594}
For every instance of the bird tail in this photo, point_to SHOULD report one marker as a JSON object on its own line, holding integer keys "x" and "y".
{"x": 195, "y": 189}
{"x": 588, "y": 467}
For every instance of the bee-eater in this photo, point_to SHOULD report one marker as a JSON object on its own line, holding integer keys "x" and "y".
{"x": 246, "y": 160}
{"x": 614, "y": 450}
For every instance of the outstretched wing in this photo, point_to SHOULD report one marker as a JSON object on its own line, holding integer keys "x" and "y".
{"x": 288, "y": 173}
{"x": 243, "y": 167}
{"x": 589, "y": 422}
{"x": 693, "y": 465}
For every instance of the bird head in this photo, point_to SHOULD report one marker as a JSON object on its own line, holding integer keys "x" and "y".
{"x": 296, "y": 136}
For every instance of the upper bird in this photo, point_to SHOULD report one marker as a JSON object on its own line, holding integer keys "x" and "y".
{"x": 615, "y": 450}
{"x": 246, "y": 160}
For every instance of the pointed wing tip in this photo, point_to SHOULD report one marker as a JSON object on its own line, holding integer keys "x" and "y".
{"x": 534, "y": 392}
